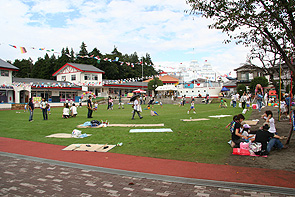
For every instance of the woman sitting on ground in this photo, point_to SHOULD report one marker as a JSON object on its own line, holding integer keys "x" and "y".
{"x": 66, "y": 111}
{"x": 74, "y": 110}
{"x": 237, "y": 136}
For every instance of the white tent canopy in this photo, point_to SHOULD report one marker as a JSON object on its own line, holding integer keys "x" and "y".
{"x": 166, "y": 88}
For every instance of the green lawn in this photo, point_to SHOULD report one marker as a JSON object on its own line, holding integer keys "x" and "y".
{"x": 200, "y": 141}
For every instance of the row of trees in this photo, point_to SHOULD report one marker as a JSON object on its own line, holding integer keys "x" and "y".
{"x": 267, "y": 26}
{"x": 43, "y": 68}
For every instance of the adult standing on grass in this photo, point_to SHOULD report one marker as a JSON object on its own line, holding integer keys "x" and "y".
{"x": 234, "y": 100}
{"x": 207, "y": 98}
{"x": 44, "y": 106}
{"x": 31, "y": 109}
{"x": 136, "y": 108}
{"x": 243, "y": 100}
{"x": 89, "y": 106}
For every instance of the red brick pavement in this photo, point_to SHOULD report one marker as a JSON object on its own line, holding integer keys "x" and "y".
{"x": 24, "y": 177}
{"x": 225, "y": 173}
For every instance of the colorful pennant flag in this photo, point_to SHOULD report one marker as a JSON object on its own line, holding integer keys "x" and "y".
{"x": 23, "y": 50}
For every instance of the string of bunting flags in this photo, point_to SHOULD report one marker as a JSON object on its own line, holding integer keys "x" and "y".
{"x": 66, "y": 84}
{"x": 24, "y": 49}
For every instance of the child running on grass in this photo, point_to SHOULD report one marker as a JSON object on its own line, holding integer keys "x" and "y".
{"x": 221, "y": 103}
{"x": 192, "y": 107}
{"x": 225, "y": 104}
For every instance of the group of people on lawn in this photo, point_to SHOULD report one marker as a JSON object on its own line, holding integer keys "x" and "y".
{"x": 266, "y": 135}
{"x": 44, "y": 106}
{"x": 70, "y": 110}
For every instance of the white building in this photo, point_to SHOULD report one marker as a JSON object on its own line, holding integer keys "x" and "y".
{"x": 195, "y": 71}
{"x": 6, "y": 88}
{"x": 87, "y": 76}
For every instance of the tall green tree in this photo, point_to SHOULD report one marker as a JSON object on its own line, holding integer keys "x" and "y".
{"x": 44, "y": 67}
{"x": 25, "y": 68}
{"x": 83, "y": 51}
{"x": 153, "y": 84}
{"x": 253, "y": 22}
{"x": 241, "y": 89}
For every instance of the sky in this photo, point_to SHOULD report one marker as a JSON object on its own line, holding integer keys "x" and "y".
{"x": 160, "y": 28}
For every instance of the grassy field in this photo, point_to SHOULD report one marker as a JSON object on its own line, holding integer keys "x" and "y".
{"x": 200, "y": 141}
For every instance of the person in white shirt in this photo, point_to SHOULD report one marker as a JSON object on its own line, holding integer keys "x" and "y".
{"x": 73, "y": 110}
{"x": 234, "y": 100}
{"x": 266, "y": 99}
{"x": 283, "y": 107}
{"x": 44, "y": 106}
{"x": 243, "y": 100}
{"x": 66, "y": 111}
{"x": 268, "y": 116}
{"x": 136, "y": 108}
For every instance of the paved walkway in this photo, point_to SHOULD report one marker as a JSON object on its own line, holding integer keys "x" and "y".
{"x": 38, "y": 169}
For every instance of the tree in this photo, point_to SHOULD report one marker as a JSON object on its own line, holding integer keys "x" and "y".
{"x": 259, "y": 22}
{"x": 25, "y": 68}
{"x": 258, "y": 80}
{"x": 153, "y": 84}
{"x": 83, "y": 51}
{"x": 241, "y": 89}
{"x": 44, "y": 67}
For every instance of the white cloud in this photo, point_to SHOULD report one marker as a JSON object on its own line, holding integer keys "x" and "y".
{"x": 158, "y": 27}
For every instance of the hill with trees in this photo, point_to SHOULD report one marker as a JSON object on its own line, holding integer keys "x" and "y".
{"x": 115, "y": 65}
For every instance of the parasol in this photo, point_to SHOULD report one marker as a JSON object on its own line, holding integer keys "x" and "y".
{"x": 133, "y": 98}
{"x": 139, "y": 91}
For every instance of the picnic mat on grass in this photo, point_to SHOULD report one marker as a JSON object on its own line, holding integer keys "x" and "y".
{"x": 219, "y": 116}
{"x": 63, "y": 135}
{"x": 90, "y": 147}
{"x": 250, "y": 122}
{"x": 149, "y": 130}
{"x": 99, "y": 126}
{"x": 123, "y": 125}
{"x": 245, "y": 152}
{"x": 136, "y": 125}
{"x": 200, "y": 119}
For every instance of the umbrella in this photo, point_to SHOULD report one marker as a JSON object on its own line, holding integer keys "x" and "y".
{"x": 139, "y": 91}
{"x": 133, "y": 98}
{"x": 224, "y": 89}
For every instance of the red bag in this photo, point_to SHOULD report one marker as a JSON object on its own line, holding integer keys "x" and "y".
{"x": 239, "y": 151}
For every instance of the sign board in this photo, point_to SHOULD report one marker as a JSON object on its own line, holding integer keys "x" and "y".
{"x": 84, "y": 88}
{"x": 189, "y": 85}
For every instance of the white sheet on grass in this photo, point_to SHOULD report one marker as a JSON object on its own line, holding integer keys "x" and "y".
{"x": 219, "y": 116}
{"x": 149, "y": 130}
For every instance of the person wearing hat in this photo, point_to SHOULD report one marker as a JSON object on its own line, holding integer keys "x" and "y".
{"x": 89, "y": 106}
{"x": 246, "y": 132}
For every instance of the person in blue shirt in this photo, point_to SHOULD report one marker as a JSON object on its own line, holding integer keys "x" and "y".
{"x": 288, "y": 100}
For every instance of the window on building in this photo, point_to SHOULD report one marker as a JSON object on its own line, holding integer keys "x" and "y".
{"x": 4, "y": 73}
{"x": 63, "y": 78}
{"x": 87, "y": 77}
{"x": 73, "y": 77}
{"x": 245, "y": 76}
{"x": 94, "y": 77}
{"x": 2, "y": 93}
